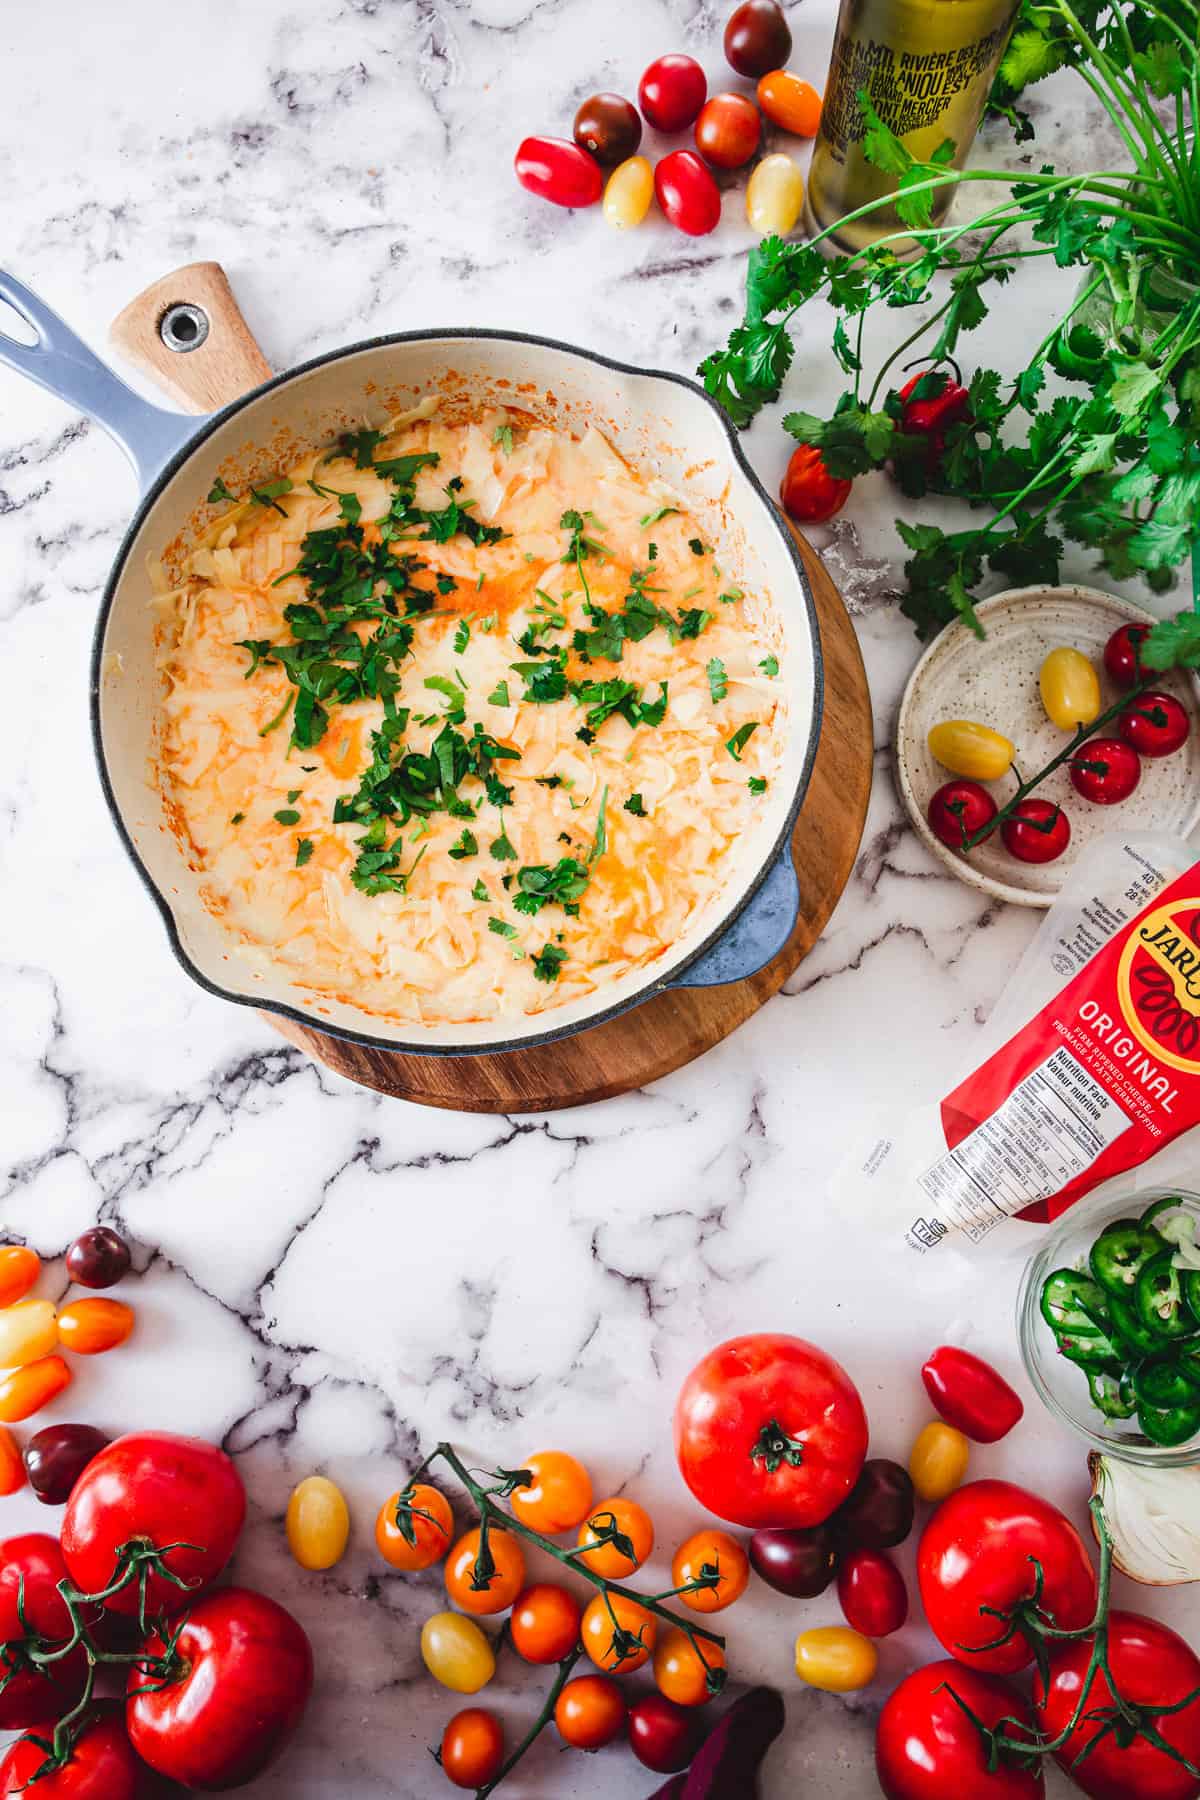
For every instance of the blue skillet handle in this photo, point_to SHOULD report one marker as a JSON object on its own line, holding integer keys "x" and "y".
{"x": 758, "y": 935}
{"x": 61, "y": 362}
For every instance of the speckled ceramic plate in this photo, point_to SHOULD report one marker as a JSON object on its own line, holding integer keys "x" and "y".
{"x": 996, "y": 682}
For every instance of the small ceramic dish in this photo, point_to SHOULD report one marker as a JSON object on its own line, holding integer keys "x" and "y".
{"x": 995, "y": 680}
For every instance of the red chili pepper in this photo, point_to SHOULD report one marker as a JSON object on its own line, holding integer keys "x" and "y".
{"x": 970, "y": 1395}
{"x": 931, "y": 412}
{"x": 809, "y": 492}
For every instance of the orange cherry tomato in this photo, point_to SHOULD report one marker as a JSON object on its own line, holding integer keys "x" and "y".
{"x": 89, "y": 1327}
{"x": 559, "y": 1497}
{"x": 618, "y": 1634}
{"x": 472, "y": 1747}
{"x": 623, "y": 1534}
{"x": 544, "y": 1626}
{"x": 684, "y": 1676}
{"x": 790, "y": 103}
{"x": 25, "y": 1391}
{"x": 415, "y": 1528}
{"x": 717, "y": 1558}
{"x": 12, "y": 1466}
{"x": 728, "y": 130}
{"x": 491, "y": 1592}
{"x": 19, "y": 1269}
{"x": 589, "y": 1712}
{"x": 809, "y": 492}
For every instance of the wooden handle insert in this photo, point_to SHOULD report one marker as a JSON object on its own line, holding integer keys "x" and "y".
{"x": 188, "y": 334}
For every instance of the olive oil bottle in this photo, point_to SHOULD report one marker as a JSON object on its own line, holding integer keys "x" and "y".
{"x": 928, "y": 67}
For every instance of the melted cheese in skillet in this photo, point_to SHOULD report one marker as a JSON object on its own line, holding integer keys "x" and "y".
{"x": 430, "y": 953}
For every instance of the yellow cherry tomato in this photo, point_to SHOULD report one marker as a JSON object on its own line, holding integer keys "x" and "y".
{"x": 628, "y": 193}
{"x": 836, "y": 1659}
{"x": 938, "y": 1463}
{"x": 1070, "y": 689}
{"x": 317, "y": 1523}
{"x": 682, "y": 1675}
{"x": 775, "y": 196}
{"x": 966, "y": 748}
{"x": 90, "y": 1327}
{"x": 457, "y": 1653}
{"x": 558, "y": 1498}
{"x": 28, "y": 1331}
{"x": 718, "y": 1561}
{"x": 19, "y": 1267}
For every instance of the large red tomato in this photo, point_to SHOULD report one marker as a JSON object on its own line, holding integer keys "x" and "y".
{"x": 154, "y": 1487}
{"x": 926, "y": 1748}
{"x": 30, "y": 1696}
{"x": 982, "y": 1548}
{"x": 770, "y": 1431}
{"x": 245, "y": 1672}
{"x": 1152, "y": 1666}
{"x": 101, "y": 1766}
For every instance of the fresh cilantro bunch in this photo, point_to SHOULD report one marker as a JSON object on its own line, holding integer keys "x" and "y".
{"x": 1097, "y": 438}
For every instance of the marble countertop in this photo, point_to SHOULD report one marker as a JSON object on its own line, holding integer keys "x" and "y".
{"x": 324, "y": 1279}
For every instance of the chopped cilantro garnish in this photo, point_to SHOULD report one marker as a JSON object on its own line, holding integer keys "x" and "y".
{"x": 636, "y": 806}
{"x": 600, "y": 843}
{"x": 652, "y": 518}
{"x": 304, "y": 849}
{"x": 499, "y": 694}
{"x": 237, "y": 818}
{"x": 462, "y": 636}
{"x": 502, "y": 928}
{"x": 504, "y": 438}
{"x": 741, "y": 737}
{"x": 502, "y": 848}
{"x": 402, "y": 471}
{"x": 718, "y": 683}
{"x": 219, "y": 492}
{"x": 757, "y": 784}
{"x": 549, "y": 781}
{"x": 451, "y": 692}
{"x": 548, "y": 961}
{"x": 544, "y": 681}
{"x": 539, "y": 885}
{"x": 358, "y": 445}
{"x": 270, "y": 492}
{"x": 293, "y": 795}
{"x": 466, "y": 844}
{"x": 287, "y": 815}
{"x": 730, "y": 596}
{"x": 349, "y": 505}
{"x": 769, "y": 665}
{"x": 698, "y": 547}
{"x": 479, "y": 892}
{"x": 445, "y": 584}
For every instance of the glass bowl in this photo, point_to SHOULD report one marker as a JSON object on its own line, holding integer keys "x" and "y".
{"x": 1062, "y": 1385}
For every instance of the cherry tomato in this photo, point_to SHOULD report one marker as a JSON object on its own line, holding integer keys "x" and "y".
{"x": 687, "y": 193}
{"x": 558, "y": 170}
{"x": 1123, "y": 654}
{"x": 1156, "y": 724}
{"x": 938, "y": 1462}
{"x": 971, "y": 1395}
{"x": 163, "y": 1489}
{"x": 958, "y": 810}
{"x": 664, "y": 1737}
{"x": 1070, "y": 688}
{"x": 879, "y": 1512}
{"x": 716, "y": 1558}
{"x": 836, "y": 1659}
{"x": 1105, "y": 771}
{"x": 628, "y": 193}
{"x": 33, "y": 1696}
{"x": 12, "y": 1467}
{"x": 967, "y": 748}
{"x": 19, "y": 1269}
{"x": 978, "y": 1551}
{"x": 926, "y": 1748}
{"x": 623, "y": 1534}
{"x": 792, "y": 104}
{"x": 457, "y": 1652}
{"x": 1037, "y": 831}
{"x": 490, "y": 1590}
{"x": 559, "y": 1497}
{"x": 686, "y": 1675}
{"x": 101, "y": 1765}
{"x": 589, "y": 1712}
{"x": 472, "y": 1747}
{"x": 728, "y": 130}
{"x": 317, "y": 1523}
{"x": 795, "y": 1562}
{"x": 90, "y": 1327}
{"x": 28, "y": 1331}
{"x": 769, "y": 1430}
{"x": 98, "y": 1258}
{"x": 608, "y": 127}
{"x": 26, "y": 1390}
{"x": 1151, "y": 1666}
{"x": 774, "y": 196}
{"x": 544, "y": 1626}
{"x": 757, "y": 37}
{"x": 56, "y": 1457}
{"x": 617, "y": 1633}
{"x": 872, "y": 1593}
{"x": 672, "y": 91}
{"x": 809, "y": 492}
{"x": 415, "y": 1528}
{"x": 245, "y": 1675}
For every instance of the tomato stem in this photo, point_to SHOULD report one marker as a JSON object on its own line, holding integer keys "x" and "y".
{"x": 774, "y": 1447}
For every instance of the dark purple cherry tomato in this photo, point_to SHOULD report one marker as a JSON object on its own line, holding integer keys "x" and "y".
{"x": 958, "y": 810}
{"x": 1037, "y": 831}
{"x": 56, "y": 1457}
{"x": 879, "y": 1512}
{"x": 799, "y": 1561}
{"x": 98, "y": 1258}
{"x": 608, "y": 127}
{"x": 1105, "y": 771}
{"x": 1155, "y": 724}
{"x": 558, "y": 170}
{"x": 757, "y": 38}
{"x": 687, "y": 193}
{"x": 672, "y": 91}
{"x": 728, "y": 130}
{"x": 872, "y": 1593}
{"x": 1123, "y": 654}
{"x": 664, "y": 1737}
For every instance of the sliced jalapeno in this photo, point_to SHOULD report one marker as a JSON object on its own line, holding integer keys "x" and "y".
{"x": 1129, "y": 1333}
{"x": 1163, "y": 1385}
{"x": 1094, "y": 1351}
{"x": 1173, "y": 1219}
{"x": 1160, "y": 1301}
{"x": 1190, "y": 1283}
{"x": 1121, "y": 1252}
{"x": 1073, "y": 1303}
{"x": 1169, "y": 1425}
{"x": 1111, "y": 1394}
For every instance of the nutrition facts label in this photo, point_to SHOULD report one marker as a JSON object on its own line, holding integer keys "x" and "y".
{"x": 1050, "y": 1129}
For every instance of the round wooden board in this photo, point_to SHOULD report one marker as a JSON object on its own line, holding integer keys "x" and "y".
{"x": 674, "y": 1027}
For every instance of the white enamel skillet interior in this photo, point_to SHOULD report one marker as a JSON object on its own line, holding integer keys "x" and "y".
{"x": 659, "y": 422}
